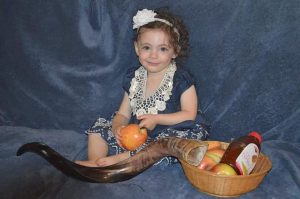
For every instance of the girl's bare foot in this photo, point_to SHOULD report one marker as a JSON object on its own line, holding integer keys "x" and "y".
{"x": 110, "y": 160}
{"x": 87, "y": 163}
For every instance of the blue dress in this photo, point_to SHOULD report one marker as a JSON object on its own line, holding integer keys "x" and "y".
{"x": 165, "y": 100}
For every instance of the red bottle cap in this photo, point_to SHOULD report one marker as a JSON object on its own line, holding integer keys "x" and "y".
{"x": 257, "y": 135}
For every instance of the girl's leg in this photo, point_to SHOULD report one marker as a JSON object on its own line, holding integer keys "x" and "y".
{"x": 110, "y": 160}
{"x": 121, "y": 156}
{"x": 97, "y": 148}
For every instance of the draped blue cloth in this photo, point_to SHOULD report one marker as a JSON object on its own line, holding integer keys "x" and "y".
{"x": 61, "y": 64}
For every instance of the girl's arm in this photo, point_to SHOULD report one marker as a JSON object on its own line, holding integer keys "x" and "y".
{"x": 122, "y": 117}
{"x": 189, "y": 104}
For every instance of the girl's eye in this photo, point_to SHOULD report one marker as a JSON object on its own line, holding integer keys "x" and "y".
{"x": 164, "y": 49}
{"x": 145, "y": 47}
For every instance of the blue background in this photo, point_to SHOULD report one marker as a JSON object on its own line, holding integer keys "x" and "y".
{"x": 61, "y": 66}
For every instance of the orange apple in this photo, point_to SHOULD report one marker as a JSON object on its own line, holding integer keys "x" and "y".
{"x": 213, "y": 144}
{"x": 133, "y": 136}
{"x": 223, "y": 169}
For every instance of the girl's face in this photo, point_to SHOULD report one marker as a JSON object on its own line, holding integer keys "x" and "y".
{"x": 154, "y": 50}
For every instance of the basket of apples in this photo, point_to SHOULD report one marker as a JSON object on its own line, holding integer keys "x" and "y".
{"x": 221, "y": 180}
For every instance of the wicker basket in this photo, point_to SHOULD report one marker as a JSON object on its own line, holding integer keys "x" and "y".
{"x": 227, "y": 186}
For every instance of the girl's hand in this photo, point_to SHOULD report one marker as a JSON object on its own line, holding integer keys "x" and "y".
{"x": 118, "y": 135}
{"x": 148, "y": 121}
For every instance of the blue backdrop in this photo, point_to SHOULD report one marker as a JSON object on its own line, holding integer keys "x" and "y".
{"x": 61, "y": 66}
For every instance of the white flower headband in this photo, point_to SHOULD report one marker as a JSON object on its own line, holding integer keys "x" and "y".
{"x": 146, "y": 16}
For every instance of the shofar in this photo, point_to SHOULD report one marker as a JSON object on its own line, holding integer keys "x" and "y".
{"x": 189, "y": 150}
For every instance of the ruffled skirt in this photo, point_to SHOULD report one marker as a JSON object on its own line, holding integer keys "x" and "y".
{"x": 189, "y": 129}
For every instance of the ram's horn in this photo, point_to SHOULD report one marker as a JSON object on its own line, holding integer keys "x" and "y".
{"x": 192, "y": 151}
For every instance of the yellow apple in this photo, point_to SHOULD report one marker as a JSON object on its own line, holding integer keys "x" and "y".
{"x": 223, "y": 169}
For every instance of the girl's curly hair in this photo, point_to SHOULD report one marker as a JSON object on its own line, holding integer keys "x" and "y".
{"x": 179, "y": 42}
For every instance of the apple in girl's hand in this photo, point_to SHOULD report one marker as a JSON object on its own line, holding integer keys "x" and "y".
{"x": 133, "y": 136}
{"x": 223, "y": 169}
{"x": 211, "y": 158}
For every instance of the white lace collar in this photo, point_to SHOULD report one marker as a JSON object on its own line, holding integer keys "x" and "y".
{"x": 157, "y": 101}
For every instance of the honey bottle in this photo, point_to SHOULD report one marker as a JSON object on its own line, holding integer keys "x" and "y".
{"x": 242, "y": 153}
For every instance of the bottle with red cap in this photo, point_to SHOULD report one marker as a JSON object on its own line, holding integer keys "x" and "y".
{"x": 242, "y": 153}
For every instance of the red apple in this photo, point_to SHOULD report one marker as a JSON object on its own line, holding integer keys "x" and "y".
{"x": 207, "y": 163}
{"x": 211, "y": 158}
{"x": 133, "y": 136}
{"x": 223, "y": 169}
{"x": 215, "y": 154}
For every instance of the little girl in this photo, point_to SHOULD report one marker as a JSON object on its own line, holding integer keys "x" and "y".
{"x": 158, "y": 95}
